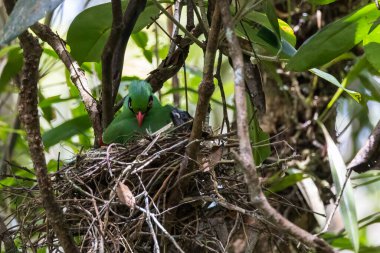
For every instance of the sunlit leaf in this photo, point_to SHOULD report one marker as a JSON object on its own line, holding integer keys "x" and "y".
{"x": 330, "y": 78}
{"x": 372, "y": 47}
{"x": 272, "y": 17}
{"x": 347, "y": 205}
{"x": 259, "y": 29}
{"x": 89, "y": 31}
{"x": 334, "y": 39}
{"x": 25, "y": 13}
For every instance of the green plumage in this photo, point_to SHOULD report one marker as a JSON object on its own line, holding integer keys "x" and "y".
{"x": 125, "y": 126}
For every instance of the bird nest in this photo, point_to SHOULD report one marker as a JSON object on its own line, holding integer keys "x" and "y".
{"x": 120, "y": 199}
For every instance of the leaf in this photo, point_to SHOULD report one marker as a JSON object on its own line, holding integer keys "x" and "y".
{"x": 209, "y": 161}
{"x": 259, "y": 138}
{"x": 12, "y": 67}
{"x": 141, "y": 39}
{"x": 89, "y": 31}
{"x": 334, "y": 39}
{"x": 272, "y": 17}
{"x": 287, "y": 181}
{"x": 25, "y": 13}
{"x": 347, "y": 205}
{"x": 46, "y": 102}
{"x": 258, "y": 28}
{"x": 125, "y": 195}
{"x": 321, "y": 2}
{"x": 371, "y": 45}
{"x": 48, "y": 111}
{"x": 310, "y": 193}
{"x": 330, "y": 78}
{"x": 66, "y": 130}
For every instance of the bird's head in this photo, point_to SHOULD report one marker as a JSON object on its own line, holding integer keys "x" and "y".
{"x": 139, "y": 100}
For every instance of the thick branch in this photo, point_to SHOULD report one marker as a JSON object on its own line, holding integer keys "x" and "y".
{"x": 76, "y": 74}
{"x": 107, "y": 55}
{"x": 173, "y": 62}
{"x": 205, "y": 91}
{"x": 133, "y": 11}
{"x": 206, "y": 88}
{"x": 368, "y": 156}
{"x": 29, "y": 117}
{"x": 245, "y": 150}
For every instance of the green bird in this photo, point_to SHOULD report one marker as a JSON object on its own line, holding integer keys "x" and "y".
{"x": 142, "y": 111}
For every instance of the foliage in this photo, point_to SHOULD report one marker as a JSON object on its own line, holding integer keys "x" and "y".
{"x": 301, "y": 85}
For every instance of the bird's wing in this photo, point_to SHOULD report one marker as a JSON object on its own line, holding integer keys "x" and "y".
{"x": 121, "y": 129}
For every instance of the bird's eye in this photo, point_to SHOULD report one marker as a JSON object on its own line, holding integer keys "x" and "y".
{"x": 150, "y": 103}
{"x": 130, "y": 104}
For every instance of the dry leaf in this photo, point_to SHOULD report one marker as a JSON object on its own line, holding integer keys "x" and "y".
{"x": 211, "y": 160}
{"x": 125, "y": 195}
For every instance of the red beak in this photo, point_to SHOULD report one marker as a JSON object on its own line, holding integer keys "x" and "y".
{"x": 140, "y": 118}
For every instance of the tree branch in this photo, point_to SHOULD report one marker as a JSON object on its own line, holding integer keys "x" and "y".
{"x": 368, "y": 156}
{"x": 207, "y": 87}
{"x": 245, "y": 157}
{"x": 107, "y": 55}
{"x": 133, "y": 11}
{"x": 76, "y": 74}
{"x": 173, "y": 62}
{"x": 29, "y": 117}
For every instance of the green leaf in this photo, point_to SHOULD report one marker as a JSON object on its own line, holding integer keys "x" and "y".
{"x": 272, "y": 17}
{"x": 46, "y": 102}
{"x": 330, "y": 78}
{"x": 89, "y": 31}
{"x": 347, "y": 205}
{"x": 259, "y": 138}
{"x": 334, "y": 39}
{"x": 372, "y": 47}
{"x": 12, "y": 67}
{"x": 258, "y": 28}
{"x": 321, "y": 2}
{"x": 141, "y": 39}
{"x": 48, "y": 112}
{"x": 66, "y": 130}
{"x": 25, "y": 13}
{"x": 287, "y": 181}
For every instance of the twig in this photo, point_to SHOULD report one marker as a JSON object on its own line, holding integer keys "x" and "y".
{"x": 368, "y": 156}
{"x": 180, "y": 26}
{"x": 336, "y": 204}
{"x": 156, "y": 248}
{"x": 133, "y": 11}
{"x": 108, "y": 52}
{"x": 5, "y": 237}
{"x": 223, "y": 95}
{"x": 28, "y": 112}
{"x": 173, "y": 62}
{"x": 366, "y": 159}
{"x": 174, "y": 28}
{"x": 245, "y": 157}
{"x": 153, "y": 217}
{"x": 76, "y": 74}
